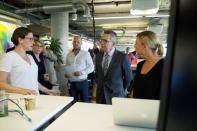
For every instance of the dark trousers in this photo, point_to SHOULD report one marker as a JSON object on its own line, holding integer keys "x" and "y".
{"x": 79, "y": 90}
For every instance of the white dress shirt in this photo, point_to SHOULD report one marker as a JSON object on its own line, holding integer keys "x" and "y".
{"x": 82, "y": 62}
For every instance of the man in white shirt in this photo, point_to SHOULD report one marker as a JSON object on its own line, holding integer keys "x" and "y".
{"x": 80, "y": 64}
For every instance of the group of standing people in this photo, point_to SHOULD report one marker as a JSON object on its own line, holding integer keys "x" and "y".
{"x": 18, "y": 69}
{"x": 24, "y": 74}
{"x": 113, "y": 69}
{"x": 118, "y": 78}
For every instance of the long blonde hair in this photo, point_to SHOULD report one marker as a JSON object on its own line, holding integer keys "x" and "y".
{"x": 149, "y": 38}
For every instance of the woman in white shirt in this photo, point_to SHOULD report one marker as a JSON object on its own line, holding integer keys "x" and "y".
{"x": 18, "y": 70}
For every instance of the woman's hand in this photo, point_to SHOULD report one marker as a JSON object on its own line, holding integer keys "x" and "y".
{"x": 77, "y": 73}
{"x": 67, "y": 75}
{"x": 46, "y": 77}
{"x": 54, "y": 92}
{"x": 28, "y": 92}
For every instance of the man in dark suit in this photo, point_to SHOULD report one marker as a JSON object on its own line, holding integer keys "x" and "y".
{"x": 113, "y": 70}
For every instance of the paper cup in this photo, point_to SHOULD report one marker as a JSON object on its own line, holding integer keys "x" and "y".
{"x": 30, "y": 102}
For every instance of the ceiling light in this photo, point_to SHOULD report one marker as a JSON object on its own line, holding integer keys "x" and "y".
{"x": 144, "y": 7}
{"x": 143, "y": 12}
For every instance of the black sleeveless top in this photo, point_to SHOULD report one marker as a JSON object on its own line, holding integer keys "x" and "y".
{"x": 147, "y": 86}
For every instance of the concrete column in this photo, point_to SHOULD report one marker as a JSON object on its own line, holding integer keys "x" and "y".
{"x": 60, "y": 30}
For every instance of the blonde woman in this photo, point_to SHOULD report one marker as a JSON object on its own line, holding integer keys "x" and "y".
{"x": 147, "y": 82}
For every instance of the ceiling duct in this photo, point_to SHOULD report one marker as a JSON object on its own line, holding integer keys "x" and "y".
{"x": 59, "y": 8}
{"x": 48, "y": 9}
{"x": 81, "y": 19}
{"x": 70, "y": 7}
{"x": 85, "y": 8}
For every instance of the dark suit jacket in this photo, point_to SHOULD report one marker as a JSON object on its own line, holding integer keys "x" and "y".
{"x": 117, "y": 78}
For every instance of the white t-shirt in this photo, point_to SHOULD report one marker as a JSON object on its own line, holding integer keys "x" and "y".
{"x": 21, "y": 73}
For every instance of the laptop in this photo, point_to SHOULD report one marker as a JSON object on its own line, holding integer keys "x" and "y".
{"x": 135, "y": 112}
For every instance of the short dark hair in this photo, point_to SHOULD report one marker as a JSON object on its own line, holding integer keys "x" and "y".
{"x": 113, "y": 35}
{"x": 20, "y": 32}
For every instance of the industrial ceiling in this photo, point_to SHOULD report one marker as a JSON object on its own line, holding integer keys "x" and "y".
{"x": 108, "y": 14}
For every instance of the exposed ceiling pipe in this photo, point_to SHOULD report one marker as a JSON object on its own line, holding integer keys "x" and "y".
{"x": 85, "y": 7}
{"x": 11, "y": 14}
{"x": 49, "y": 9}
{"x": 112, "y": 3}
{"x": 82, "y": 19}
{"x": 59, "y": 8}
{"x": 72, "y": 8}
{"x": 16, "y": 8}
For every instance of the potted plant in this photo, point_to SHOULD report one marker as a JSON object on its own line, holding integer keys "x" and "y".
{"x": 57, "y": 50}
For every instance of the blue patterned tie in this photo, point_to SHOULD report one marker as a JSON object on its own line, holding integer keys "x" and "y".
{"x": 105, "y": 64}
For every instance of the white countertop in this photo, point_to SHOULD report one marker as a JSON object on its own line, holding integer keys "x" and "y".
{"x": 46, "y": 107}
{"x": 89, "y": 117}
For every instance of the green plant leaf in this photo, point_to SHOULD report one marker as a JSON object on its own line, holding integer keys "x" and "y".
{"x": 57, "y": 50}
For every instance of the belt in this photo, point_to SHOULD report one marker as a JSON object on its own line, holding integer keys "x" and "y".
{"x": 78, "y": 81}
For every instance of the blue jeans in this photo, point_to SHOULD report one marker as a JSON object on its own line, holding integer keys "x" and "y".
{"x": 79, "y": 90}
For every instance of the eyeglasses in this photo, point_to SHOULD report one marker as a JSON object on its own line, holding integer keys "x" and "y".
{"x": 103, "y": 41}
{"x": 31, "y": 39}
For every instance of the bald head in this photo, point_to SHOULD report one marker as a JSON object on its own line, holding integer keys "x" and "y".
{"x": 77, "y": 42}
